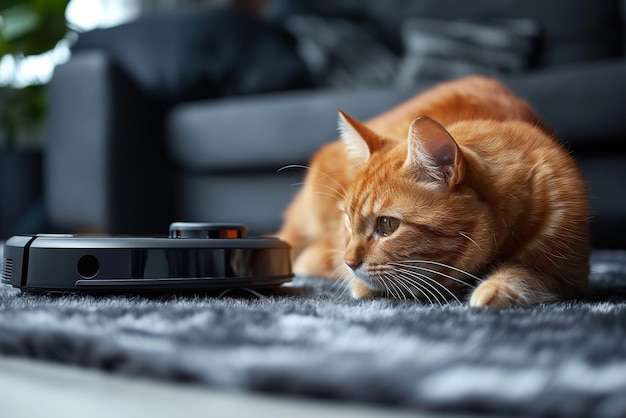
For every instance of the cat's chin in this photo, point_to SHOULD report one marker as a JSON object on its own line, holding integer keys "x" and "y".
{"x": 372, "y": 283}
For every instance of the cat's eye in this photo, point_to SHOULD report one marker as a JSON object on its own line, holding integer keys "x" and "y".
{"x": 387, "y": 225}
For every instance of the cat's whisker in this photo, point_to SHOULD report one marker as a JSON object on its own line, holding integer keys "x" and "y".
{"x": 437, "y": 272}
{"x": 409, "y": 289}
{"x": 336, "y": 250}
{"x": 466, "y": 236}
{"x": 342, "y": 283}
{"x": 396, "y": 285}
{"x": 404, "y": 285}
{"x": 339, "y": 193}
{"x": 384, "y": 279}
{"x": 346, "y": 281}
{"x": 430, "y": 280}
{"x": 339, "y": 293}
{"x": 329, "y": 195}
{"x": 419, "y": 286}
{"x": 388, "y": 290}
{"x": 422, "y": 288}
{"x": 288, "y": 166}
{"x": 437, "y": 263}
{"x": 389, "y": 286}
{"x": 339, "y": 275}
{"x": 399, "y": 286}
{"x": 333, "y": 253}
{"x": 415, "y": 280}
{"x": 444, "y": 287}
{"x": 326, "y": 175}
{"x": 394, "y": 276}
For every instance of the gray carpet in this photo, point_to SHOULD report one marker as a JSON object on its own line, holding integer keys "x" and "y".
{"x": 566, "y": 359}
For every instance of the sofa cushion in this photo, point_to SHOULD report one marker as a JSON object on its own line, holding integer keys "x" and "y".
{"x": 265, "y": 131}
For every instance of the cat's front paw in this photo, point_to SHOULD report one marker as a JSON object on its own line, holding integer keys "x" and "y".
{"x": 317, "y": 260}
{"x": 360, "y": 291}
{"x": 492, "y": 294}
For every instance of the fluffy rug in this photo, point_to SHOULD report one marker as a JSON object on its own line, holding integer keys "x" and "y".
{"x": 565, "y": 359}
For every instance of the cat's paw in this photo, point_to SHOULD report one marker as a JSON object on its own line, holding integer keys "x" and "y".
{"x": 360, "y": 291}
{"x": 493, "y": 294}
{"x": 317, "y": 260}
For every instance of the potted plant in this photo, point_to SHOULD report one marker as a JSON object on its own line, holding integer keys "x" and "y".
{"x": 27, "y": 28}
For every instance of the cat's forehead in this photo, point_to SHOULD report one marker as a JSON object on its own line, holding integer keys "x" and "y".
{"x": 385, "y": 186}
{"x": 369, "y": 201}
{"x": 388, "y": 193}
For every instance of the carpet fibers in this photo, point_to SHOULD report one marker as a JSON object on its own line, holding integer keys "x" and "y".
{"x": 311, "y": 339}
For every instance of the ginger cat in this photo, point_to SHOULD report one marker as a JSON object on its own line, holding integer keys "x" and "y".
{"x": 460, "y": 191}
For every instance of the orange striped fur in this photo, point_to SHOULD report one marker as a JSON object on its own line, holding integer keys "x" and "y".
{"x": 460, "y": 192}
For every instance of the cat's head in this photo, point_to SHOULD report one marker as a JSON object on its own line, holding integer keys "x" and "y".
{"x": 413, "y": 217}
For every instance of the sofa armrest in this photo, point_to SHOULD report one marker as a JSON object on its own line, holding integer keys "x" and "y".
{"x": 105, "y": 165}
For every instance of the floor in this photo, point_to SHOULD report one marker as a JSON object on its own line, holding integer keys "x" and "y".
{"x": 32, "y": 389}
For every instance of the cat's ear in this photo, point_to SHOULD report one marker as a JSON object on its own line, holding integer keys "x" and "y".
{"x": 360, "y": 141}
{"x": 434, "y": 152}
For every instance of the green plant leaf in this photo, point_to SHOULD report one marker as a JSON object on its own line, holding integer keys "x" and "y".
{"x": 32, "y": 27}
{"x": 18, "y": 21}
{"x": 27, "y": 27}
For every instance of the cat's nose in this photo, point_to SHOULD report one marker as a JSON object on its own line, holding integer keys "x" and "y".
{"x": 353, "y": 264}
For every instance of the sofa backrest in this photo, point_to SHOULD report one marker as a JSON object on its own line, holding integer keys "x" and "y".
{"x": 572, "y": 30}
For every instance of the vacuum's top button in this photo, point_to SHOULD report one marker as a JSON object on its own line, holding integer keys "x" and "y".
{"x": 207, "y": 230}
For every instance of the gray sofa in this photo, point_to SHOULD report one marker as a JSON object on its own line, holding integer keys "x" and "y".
{"x": 131, "y": 147}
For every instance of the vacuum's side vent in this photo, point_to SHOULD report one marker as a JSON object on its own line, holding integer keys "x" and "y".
{"x": 7, "y": 270}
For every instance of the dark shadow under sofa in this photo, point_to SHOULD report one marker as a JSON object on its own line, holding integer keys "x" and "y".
{"x": 189, "y": 116}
